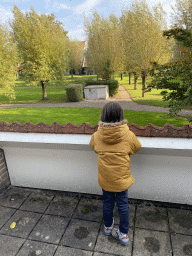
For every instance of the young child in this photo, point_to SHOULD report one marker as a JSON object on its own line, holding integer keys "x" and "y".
{"x": 114, "y": 143}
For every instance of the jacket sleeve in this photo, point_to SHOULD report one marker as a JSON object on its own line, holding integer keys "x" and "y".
{"x": 91, "y": 143}
{"x": 135, "y": 144}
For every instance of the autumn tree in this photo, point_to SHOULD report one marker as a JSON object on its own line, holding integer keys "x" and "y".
{"x": 182, "y": 19}
{"x": 175, "y": 76}
{"x": 42, "y": 45}
{"x": 76, "y": 55}
{"x": 142, "y": 32}
{"x": 104, "y": 53}
{"x": 8, "y": 61}
{"x": 181, "y": 15}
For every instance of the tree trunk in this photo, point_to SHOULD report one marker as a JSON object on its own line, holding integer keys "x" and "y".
{"x": 97, "y": 77}
{"x": 71, "y": 73}
{"x": 143, "y": 75}
{"x": 121, "y": 76}
{"x": 44, "y": 90}
{"x": 129, "y": 78}
{"x": 135, "y": 79}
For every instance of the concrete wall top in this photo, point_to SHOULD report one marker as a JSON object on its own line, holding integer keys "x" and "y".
{"x": 160, "y": 146}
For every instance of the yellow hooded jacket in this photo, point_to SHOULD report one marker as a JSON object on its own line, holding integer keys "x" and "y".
{"x": 114, "y": 143}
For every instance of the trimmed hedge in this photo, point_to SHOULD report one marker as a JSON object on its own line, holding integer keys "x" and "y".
{"x": 74, "y": 92}
{"x": 113, "y": 85}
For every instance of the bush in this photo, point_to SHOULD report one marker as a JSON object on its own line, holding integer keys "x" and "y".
{"x": 107, "y": 71}
{"x": 81, "y": 82}
{"x": 113, "y": 85}
{"x": 74, "y": 92}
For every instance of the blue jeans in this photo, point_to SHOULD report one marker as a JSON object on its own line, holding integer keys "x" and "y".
{"x": 121, "y": 198}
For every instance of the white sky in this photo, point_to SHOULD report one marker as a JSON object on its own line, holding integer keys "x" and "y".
{"x": 71, "y": 12}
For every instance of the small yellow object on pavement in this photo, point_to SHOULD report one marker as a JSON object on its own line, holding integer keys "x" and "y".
{"x": 13, "y": 224}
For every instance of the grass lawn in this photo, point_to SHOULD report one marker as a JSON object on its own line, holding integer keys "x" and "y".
{"x": 80, "y": 115}
{"x": 56, "y": 93}
{"x": 153, "y": 98}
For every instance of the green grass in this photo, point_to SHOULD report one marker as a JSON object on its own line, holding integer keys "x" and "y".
{"x": 56, "y": 92}
{"x": 80, "y": 115}
{"x": 153, "y": 98}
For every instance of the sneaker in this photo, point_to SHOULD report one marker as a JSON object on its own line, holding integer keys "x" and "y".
{"x": 107, "y": 231}
{"x": 123, "y": 238}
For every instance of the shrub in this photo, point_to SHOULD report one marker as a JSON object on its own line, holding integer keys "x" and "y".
{"x": 74, "y": 92}
{"x": 113, "y": 85}
{"x": 107, "y": 71}
{"x": 81, "y": 82}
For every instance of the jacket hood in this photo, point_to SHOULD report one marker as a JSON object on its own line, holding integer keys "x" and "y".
{"x": 112, "y": 133}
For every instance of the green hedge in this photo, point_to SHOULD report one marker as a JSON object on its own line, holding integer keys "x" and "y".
{"x": 74, "y": 92}
{"x": 81, "y": 82}
{"x": 113, "y": 85}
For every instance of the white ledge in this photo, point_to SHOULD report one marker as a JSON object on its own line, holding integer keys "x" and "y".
{"x": 154, "y": 145}
{"x": 162, "y": 168}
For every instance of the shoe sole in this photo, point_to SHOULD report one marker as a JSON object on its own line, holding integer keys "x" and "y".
{"x": 123, "y": 243}
{"x": 107, "y": 234}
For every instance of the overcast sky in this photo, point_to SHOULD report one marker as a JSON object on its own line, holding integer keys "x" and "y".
{"x": 71, "y": 12}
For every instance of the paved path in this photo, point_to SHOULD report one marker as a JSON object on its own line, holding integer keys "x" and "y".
{"x": 125, "y": 101}
{"x": 52, "y": 223}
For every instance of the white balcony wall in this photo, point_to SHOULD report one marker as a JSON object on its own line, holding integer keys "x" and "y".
{"x": 162, "y": 168}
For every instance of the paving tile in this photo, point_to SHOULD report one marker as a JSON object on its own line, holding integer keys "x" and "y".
{"x": 33, "y": 248}
{"x": 25, "y": 222}
{"x": 131, "y": 215}
{"x": 182, "y": 245}
{"x": 154, "y": 218}
{"x": 9, "y": 246}
{"x": 5, "y": 214}
{"x": 149, "y": 242}
{"x": 81, "y": 234}
{"x": 62, "y": 205}
{"x": 15, "y": 197}
{"x": 38, "y": 201}
{"x": 180, "y": 221}
{"x": 49, "y": 229}
{"x": 89, "y": 209}
{"x": 108, "y": 244}
{"x": 103, "y": 254}
{"x": 67, "y": 251}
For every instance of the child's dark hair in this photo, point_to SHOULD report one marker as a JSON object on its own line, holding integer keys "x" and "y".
{"x": 112, "y": 112}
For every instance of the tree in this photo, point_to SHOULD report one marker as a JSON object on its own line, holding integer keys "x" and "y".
{"x": 143, "y": 39}
{"x": 42, "y": 45}
{"x": 181, "y": 19}
{"x": 129, "y": 64}
{"x": 8, "y": 61}
{"x": 175, "y": 77}
{"x": 76, "y": 55}
{"x": 182, "y": 15}
{"x": 104, "y": 53}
